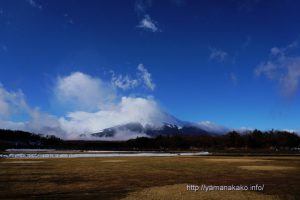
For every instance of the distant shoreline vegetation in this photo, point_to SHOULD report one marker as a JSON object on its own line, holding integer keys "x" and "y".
{"x": 253, "y": 140}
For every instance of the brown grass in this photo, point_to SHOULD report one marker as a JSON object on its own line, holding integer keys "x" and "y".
{"x": 113, "y": 161}
{"x": 109, "y": 178}
{"x": 237, "y": 160}
{"x": 267, "y": 167}
{"x": 179, "y": 192}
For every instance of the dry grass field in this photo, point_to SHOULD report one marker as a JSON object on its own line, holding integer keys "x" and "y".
{"x": 148, "y": 177}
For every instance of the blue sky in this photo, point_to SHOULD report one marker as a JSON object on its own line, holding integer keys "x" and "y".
{"x": 234, "y": 63}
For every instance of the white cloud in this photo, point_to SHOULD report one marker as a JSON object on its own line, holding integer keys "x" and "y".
{"x": 275, "y": 51}
{"x": 44, "y": 123}
{"x": 39, "y": 123}
{"x": 34, "y": 4}
{"x": 125, "y": 82}
{"x": 11, "y": 102}
{"x": 4, "y": 108}
{"x": 68, "y": 19}
{"x": 127, "y": 110}
{"x": 140, "y": 6}
{"x": 212, "y": 127}
{"x": 217, "y": 54}
{"x": 148, "y": 24}
{"x": 7, "y": 124}
{"x": 94, "y": 106}
{"x": 146, "y": 77}
{"x": 124, "y": 135}
{"x": 84, "y": 92}
{"x": 144, "y": 111}
{"x": 90, "y": 97}
{"x": 282, "y": 66}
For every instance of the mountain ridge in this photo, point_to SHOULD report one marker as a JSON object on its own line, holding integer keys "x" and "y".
{"x": 184, "y": 128}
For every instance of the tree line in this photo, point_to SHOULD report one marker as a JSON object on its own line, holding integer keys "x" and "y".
{"x": 256, "y": 139}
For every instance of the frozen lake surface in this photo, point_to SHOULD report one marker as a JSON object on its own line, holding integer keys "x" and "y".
{"x": 96, "y": 154}
{"x": 71, "y": 151}
{"x": 28, "y": 150}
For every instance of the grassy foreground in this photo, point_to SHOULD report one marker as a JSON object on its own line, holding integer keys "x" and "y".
{"x": 148, "y": 177}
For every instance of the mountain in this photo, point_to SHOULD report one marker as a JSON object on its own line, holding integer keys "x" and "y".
{"x": 135, "y": 128}
{"x": 152, "y": 125}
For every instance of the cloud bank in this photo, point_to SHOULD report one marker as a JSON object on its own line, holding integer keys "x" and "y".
{"x": 11, "y": 102}
{"x": 84, "y": 92}
{"x": 93, "y": 104}
{"x": 212, "y": 127}
{"x": 129, "y": 109}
